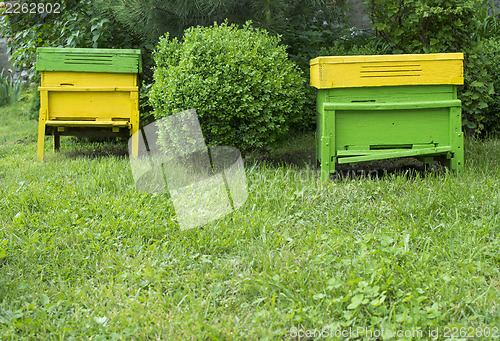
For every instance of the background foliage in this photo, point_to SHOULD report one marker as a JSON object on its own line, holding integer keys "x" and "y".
{"x": 140, "y": 23}
{"x": 80, "y": 24}
{"x": 491, "y": 50}
{"x": 304, "y": 27}
{"x": 242, "y": 84}
{"x": 150, "y": 19}
{"x": 308, "y": 29}
{"x": 437, "y": 26}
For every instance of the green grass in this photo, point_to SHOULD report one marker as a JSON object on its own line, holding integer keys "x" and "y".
{"x": 85, "y": 256}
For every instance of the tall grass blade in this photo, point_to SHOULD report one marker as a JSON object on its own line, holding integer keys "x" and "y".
{"x": 10, "y": 89}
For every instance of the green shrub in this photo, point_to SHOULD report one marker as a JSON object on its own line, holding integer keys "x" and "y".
{"x": 436, "y": 26}
{"x": 245, "y": 89}
{"x": 491, "y": 52}
{"x": 477, "y": 89}
{"x": 34, "y": 108}
{"x": 145, "y": 108}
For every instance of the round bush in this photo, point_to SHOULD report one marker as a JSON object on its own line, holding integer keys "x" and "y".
{"x": 240, "y": 81}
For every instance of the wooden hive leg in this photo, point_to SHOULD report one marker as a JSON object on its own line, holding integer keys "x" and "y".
{"x": 134, "y": 122}
{"x": 41, "y": 139}
{"x": 41, "y": 124}
{"x": 326, "y": 163}
{"x": 57, "y": 142}
{"x": 427, "y": 161}
{"x": 459, "y": 153}
{"x": 456, "y": 139}
{"x": 135, "y": 143}
{"x": 328, "y": 151}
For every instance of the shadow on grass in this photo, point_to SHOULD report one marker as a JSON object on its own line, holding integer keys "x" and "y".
{"x": 93, "y": 149}
{"x": 95, "y": 154}
{"x": 300, "y": 152}
{"x": 297, "y": 150}
{"x": 293, "y": 158}
{"x": 409, "y": 168}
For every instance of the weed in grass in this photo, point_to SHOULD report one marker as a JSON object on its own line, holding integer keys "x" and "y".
{"x": 10, "y": 89}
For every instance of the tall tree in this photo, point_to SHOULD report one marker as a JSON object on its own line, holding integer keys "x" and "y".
{"x": 152, "y": 18}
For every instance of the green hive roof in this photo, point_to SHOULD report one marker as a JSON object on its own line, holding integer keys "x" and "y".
{"x": 88, "y": 60}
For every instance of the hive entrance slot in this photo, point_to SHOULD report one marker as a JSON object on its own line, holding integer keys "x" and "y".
{"x": 399, "y": 146}
{"x": 98, "y": 59}
{"x": 363, "y": 101}
{"x": 409, "y": 70}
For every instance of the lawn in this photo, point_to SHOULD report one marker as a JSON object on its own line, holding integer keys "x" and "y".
{"x": 402, "y": 255}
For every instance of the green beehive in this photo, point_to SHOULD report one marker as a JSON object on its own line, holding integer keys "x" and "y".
{"x": 381, "y": 107}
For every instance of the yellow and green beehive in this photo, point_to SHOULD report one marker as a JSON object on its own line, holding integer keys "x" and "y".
{"x": 88, "y": 92}
{"x": 381, "y": 107}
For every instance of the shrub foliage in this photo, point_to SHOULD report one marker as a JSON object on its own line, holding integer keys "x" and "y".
{"x": 242, "y": 84}
{"x": 435, "y": 26}
{"x": 491, "y": 51}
